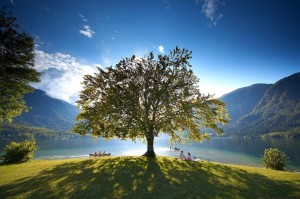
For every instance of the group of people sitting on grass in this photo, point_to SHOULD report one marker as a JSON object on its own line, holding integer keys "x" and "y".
{"x": 189, "y": 157}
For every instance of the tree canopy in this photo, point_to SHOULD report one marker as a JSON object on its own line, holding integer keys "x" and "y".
{"x": 16, "y": 67}
{"x": 139, "y": 98}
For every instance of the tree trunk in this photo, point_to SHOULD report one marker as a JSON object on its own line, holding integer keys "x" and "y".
{"x": 150, "y": 149}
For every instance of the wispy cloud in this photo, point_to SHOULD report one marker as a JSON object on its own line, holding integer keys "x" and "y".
{"x": 83, "y": 18}
{"x": 161, "y": 49}
{"x": 62, "y": 75}
{"x": 168, "y": 4}
{"x": 107, "y": 58}
{"x": 12, "y": 2}
{"x": 87, "y": 31}
{"x": 210, "y": 9}
{"x": 38, "y": 42}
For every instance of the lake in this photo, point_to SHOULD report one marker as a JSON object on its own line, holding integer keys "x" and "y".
{"x": 233, "y": 151}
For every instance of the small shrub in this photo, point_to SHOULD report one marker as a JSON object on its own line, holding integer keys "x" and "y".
{"x": 19, "y": 151}
{"x": 274, "y": 159}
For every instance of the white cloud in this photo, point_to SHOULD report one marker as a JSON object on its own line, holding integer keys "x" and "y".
{"x": 61, "y": 75}
{"x": 161, "y": 49}
{"x": 87, "y": 31}
{"x": 83, "y": 18}
{"x": 210, "y": 9}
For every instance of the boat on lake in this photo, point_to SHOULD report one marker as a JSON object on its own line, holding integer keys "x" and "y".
{"x": 99, "y": 155}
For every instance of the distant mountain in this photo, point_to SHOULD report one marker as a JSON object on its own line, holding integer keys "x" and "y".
{"x": 47, "y": 112}
{"x": 242, "y": 101}
{"x": 255, "y": 110}
{"x": 277, "y": 109}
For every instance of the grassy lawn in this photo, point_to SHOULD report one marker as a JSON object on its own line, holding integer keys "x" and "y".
{"x": 139, "y": 177}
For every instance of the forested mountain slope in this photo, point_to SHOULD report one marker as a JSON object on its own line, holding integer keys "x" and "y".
{"x": 47, "y": 112}
{"x": 243, "y": 100}
{"x": 278, "y": 110}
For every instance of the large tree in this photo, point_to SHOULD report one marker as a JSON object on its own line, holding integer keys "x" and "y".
{"x": 16, "y": 67}
{"x": 139, "y": 98}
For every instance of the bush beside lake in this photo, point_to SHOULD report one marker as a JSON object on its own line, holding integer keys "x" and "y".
{"x": 139, "y": 177}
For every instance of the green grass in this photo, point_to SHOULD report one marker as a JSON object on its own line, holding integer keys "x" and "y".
{"x": 139, "y": 177}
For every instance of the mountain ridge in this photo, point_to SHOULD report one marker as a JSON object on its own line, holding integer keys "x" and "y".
{"x": 278, "y": 110}
{"x": 242, "y": 101}
{"x": 47, "y": 112}
{"x": 255, "y": 110}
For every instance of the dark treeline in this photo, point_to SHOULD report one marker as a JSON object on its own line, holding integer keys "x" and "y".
{"x": 290, "y": 134}
{"x": 13, "y": 132}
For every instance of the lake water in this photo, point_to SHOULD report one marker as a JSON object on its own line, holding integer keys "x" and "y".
{"x": 233, "y": 151}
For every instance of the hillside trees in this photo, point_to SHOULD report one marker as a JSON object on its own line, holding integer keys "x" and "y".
{"x": 139, "y": 98}
{"x": 16, "y": 67}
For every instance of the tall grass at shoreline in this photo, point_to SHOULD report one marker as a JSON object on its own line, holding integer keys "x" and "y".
{"x": 139, "y": 177}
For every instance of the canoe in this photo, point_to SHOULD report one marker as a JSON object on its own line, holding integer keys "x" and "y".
{"x": 97, "y": 155}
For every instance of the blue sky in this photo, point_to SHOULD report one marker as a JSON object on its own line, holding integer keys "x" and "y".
{"x": 235, "y": 43}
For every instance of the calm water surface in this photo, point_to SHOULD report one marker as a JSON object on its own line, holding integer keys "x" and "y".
{"x": 233, "y": 151}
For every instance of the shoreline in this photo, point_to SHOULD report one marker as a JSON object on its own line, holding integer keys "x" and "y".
{"x": 288, "y": 169}
{"x": 228, "y": 151}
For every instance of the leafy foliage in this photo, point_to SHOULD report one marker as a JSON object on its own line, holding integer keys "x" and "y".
{"x": 19, "y": 152}
{"x": 16, "y": 68}
{"x": 141, "y": 97}
{"x": 273, "y": 158}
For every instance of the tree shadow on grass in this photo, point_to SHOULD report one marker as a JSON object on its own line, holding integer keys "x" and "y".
{"x": 211, "y": 180}
{"x": 136, "y": 177}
